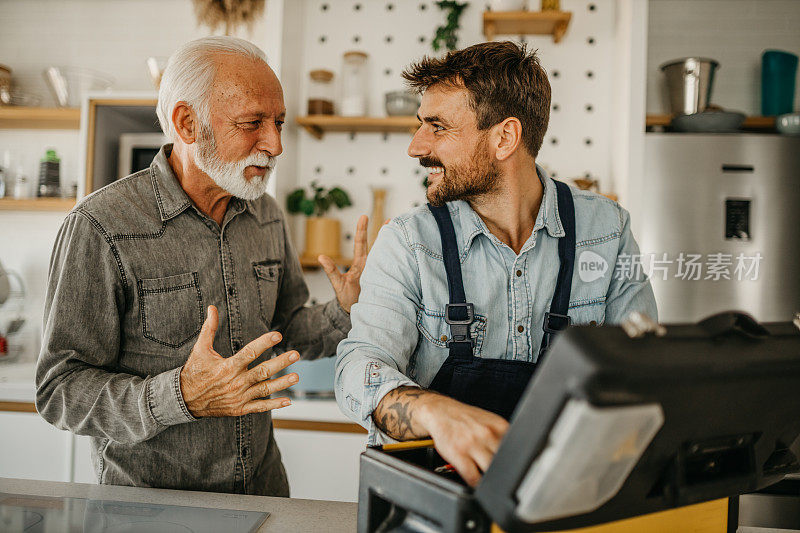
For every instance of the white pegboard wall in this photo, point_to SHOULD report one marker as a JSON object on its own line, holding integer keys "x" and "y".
{"x": 397, "y": 32}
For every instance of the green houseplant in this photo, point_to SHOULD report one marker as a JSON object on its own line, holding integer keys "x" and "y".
{"x": 323, "y": 234}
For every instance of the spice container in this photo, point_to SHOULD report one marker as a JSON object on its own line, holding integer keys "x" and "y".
{"x": 354, "y": 84}
{"x": 49, "y": 175}
{"x": 320, "y": 92}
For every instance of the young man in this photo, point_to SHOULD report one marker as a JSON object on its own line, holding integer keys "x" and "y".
{"x": 460, "y": 298}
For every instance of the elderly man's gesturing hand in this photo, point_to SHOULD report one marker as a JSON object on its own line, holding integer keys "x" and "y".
{"x": 347, "y": 285}
{"x": 215, "y": 386}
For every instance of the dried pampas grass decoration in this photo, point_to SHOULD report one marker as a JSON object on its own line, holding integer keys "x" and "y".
{"x": 229, "y": 14}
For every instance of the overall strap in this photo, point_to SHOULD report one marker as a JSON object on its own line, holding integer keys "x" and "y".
{"x": 458, "y": 313}
{"x": 556, "y": 319}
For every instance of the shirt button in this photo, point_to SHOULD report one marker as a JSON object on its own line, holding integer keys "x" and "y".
{"x": 593, "y": 323}
{"x": 236, "y": 346}
{"x": 520, "y": 329}
{"x": 444, "y": 338}
{"x": 519, "y": 273}
{"x": 230, "y": 290}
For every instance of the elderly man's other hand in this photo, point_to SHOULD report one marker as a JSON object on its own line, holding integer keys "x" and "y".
{"x": 347, "y": 286}
{"x": 212, "y": 385}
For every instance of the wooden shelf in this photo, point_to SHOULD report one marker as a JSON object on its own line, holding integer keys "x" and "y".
{"x": 311, "y": 263}
{"x": 37, "y": 204}
{"x": 750, "y": 123}
{"x": 40, "y": 118}
{"x": 553, "y": 23}
{"x": 317, "y": 125}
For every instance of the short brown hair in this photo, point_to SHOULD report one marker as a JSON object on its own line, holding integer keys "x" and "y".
{"x": 503, "y": 80}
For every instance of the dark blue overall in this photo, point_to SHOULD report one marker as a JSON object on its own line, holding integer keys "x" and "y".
{"x": 496, "y": 384}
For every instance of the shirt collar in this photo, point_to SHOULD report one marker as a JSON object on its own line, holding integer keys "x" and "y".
{"x": 170, "y": 196}
{"x": 173, "y": 200}
{"x": 548, "y": 216}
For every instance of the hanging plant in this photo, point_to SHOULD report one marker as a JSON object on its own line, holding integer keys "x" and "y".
{"x": 447, "y": 34}
{"x": 228, "y": 14}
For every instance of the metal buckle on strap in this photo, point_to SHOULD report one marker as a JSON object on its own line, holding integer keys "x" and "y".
{"x": 459, "y": 329}
{"x": 554, "y": 322}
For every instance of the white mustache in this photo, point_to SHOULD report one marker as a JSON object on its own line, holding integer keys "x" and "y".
{"x": 258, "y": 160}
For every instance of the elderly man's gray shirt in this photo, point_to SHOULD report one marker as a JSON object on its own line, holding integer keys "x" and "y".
{"x": 133, "y": 269}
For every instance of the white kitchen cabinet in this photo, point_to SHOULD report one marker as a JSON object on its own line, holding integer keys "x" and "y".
{"x": 84, "y": 470}
{"x": 321, "y": 465}
{"x": 30, "y": 448}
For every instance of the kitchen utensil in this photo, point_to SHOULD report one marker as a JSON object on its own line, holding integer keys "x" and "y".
{"x": 70, "y": 84}
{"x": 709, "y": 122}
{"x": 21, "y": 98}
{"x": 689, "y": 83}
{"x": 378, "y": 213}
{"x": 155, "y": 67}
{"x": 320, "y": 92}
{"x": 354, "y": 84}
{"x": 778, "y": 72}
{"x": 5, "y": 85}
{"x": 788, "y": 124}
{"x": 401, "y": 103}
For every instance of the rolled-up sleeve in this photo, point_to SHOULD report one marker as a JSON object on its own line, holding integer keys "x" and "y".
{"x": 77, "y": 388}
{"x": 630, "y": 288}
{"x": 373, "y": 359}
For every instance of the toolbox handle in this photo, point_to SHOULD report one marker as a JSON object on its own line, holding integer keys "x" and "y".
{"x": 733, "y": 322}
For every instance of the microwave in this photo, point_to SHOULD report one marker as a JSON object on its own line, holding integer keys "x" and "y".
{"x": 137, "y": 150}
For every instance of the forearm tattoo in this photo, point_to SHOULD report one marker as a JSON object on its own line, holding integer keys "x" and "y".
{"x": 394, "y": 415}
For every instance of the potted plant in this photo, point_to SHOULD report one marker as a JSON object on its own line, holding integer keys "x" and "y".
{"x": 323, "y": 234}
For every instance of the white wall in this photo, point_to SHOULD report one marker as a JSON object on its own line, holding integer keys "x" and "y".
{"x": 734, "y": 32}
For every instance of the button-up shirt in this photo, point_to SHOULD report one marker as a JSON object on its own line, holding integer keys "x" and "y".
{"x": 399, "y": 335}
{"x": 134, "y": 267}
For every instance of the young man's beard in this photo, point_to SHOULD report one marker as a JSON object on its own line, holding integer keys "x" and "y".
{"x": 464, "y": 182}
{"x": 230, "y": 176}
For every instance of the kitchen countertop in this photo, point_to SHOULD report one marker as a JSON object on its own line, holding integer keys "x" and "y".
{"x": 286, "y": 514}
{"x": 16, "y": 385}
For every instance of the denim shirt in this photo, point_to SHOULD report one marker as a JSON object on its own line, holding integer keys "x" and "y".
{"x": 399, "y": 332}
{"x": 133, "y": 269}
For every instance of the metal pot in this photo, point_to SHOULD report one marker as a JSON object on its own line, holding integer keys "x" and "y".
{"x": 689, "y": 83}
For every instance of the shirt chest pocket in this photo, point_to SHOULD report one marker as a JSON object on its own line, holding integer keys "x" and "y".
{"x": 436, "y": 331}
{"x": 268, "y": 280}
{"x": 171, "y": 308}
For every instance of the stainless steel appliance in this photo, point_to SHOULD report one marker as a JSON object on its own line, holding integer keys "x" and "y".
{"x": 722, "y": 197}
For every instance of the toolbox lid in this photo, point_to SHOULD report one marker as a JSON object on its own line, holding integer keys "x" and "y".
{"x": 613, "y": 426}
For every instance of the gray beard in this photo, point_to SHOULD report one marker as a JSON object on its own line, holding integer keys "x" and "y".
{"x": 230, "y": 176}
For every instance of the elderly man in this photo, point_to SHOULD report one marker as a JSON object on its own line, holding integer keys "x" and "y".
{"x": 172, "y": 292}
{"x": 461, "y": 297}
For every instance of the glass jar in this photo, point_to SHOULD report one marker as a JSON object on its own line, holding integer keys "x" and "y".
{"x": 354, "y": 85}
{"x": 320, "y": 92}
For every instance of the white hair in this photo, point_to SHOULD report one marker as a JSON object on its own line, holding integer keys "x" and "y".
{"x": 190, "y": 72}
